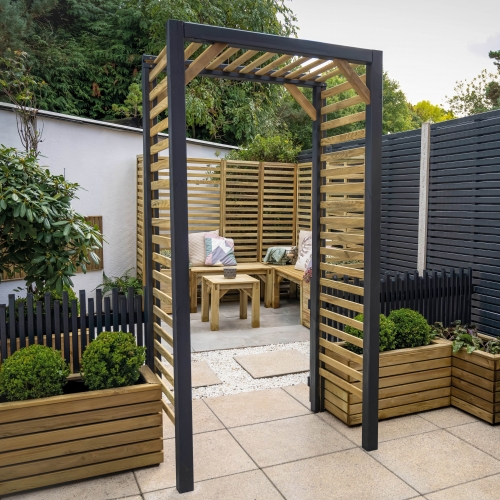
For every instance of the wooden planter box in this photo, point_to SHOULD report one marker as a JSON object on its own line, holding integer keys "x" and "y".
{"x": 75, "y": 436}
{"x": 411, "y": 380}
{"x": 476, "y": 384}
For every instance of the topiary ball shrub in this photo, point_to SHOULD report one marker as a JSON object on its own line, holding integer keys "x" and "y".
{"x": 387, "y": 335}
{"x": 33, "y": 372}
{"x": 113, "y": 359}
{"x": 412, "y": 329}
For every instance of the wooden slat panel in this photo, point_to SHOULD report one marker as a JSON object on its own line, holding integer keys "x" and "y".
{"x": 345, "y": 120}
{"x": 203, "y": 60}
{"x": 348, "y": 136}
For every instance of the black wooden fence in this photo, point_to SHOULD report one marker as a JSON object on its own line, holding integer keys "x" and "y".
{"x": 443, "y": 296}
{"x": 60, "y": 323}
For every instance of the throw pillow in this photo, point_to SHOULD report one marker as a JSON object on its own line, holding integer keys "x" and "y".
{"x": 219, "y": 251}
{"x": 197, "y": 247}
{"x": 305, "y": 250}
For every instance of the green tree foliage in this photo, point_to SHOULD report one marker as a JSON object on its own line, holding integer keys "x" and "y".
{"x": 272, "y": 148}
{"x": 40, "y": 234}
{"x": 427, "y": 111}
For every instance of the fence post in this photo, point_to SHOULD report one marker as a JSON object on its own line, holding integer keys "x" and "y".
{"x": 423, "y": 204}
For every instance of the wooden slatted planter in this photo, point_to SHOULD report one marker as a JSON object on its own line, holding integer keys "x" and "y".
{"x": 411, "y": 380}
{"x": 476, "y": 384}
{"x": 75, "y": 436}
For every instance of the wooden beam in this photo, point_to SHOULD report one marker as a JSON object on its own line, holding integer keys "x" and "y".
{"x": 240, "y": 60}
{"x": 342, "y": 155}
{"x": 161, "y": 54}
{"x": 262, "y": 59}
{"x": 311, "y": 74}
{"x": 161, "y": 106}
{"x": 191, "y": 49}
{"x": 223, "y": 57}
{"x": 345, "y": 120}
{"x": 290, "y": 66}
{"x": 304, "y": 69}
{"x": 346, "y": 103}
{"x": 160, "y": 146}
{"x": 159, "y": 127}
{"x": 336, "y": 72}
{"x": 349, "y": 136}
{"x": 202, "y": 60}
{"x": 160, "y": 66}
{"x": 354, "y": 79}
{"x": 338, "y": 89}
{"x": 266, "y": 69}
{"x": 301, "y": 99}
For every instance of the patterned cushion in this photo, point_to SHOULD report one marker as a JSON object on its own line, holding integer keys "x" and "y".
{"x": 197, "y": 247}
{"x": 305, "y": 249}
{"x": 219, "y": 251}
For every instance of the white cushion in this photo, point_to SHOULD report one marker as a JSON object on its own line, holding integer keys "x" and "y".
{"x": 305, "y": 250}
{"x": 197, "y": 247}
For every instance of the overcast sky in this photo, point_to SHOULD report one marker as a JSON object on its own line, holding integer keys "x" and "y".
{"x": 428, "y": 44}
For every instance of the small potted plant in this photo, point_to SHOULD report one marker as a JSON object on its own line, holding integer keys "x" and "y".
{"x": 56, "y": 428}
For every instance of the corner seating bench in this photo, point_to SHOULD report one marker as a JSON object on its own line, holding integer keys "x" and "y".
{"x": 262, "y": 271}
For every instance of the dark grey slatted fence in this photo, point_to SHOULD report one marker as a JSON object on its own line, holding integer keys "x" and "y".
{"x": 443, "y": 296}
{"x": 400, "y": 191}
{"x": 464, "y": 208}
{"x": 28, "y": 322}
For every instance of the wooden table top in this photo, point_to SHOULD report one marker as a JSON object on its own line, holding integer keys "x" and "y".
{"x": 241, "y": 279}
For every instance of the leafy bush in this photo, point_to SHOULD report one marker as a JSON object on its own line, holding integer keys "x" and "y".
{"x": 465, "y": 336}
{"x": 123, "y": 283}
{"x": 412, "y": 329}
{"x": 387, "y": 335}
{"x": 33, "y": 372}
{"x": 113, "y": 359}
{"x": 274, "y": 148}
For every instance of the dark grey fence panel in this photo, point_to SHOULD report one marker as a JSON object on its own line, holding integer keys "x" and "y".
{"x": 464, "y": 208}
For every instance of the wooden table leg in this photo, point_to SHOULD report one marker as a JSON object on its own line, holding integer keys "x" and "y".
{"x": 256, "y": 305}
{"x": 193, "y": 291}
{"x": 243, "y": 304}
{"x": 268, "y": 292}
{"x": 276, "y": 289}
{"x": 214, "y": 320}
{"x": 205, "y": 288}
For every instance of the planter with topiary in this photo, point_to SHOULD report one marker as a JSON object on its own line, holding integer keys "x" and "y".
{"x": 415, "y": 371}
{"x": 56, "y": 428}
{"x": 475, "y": 371}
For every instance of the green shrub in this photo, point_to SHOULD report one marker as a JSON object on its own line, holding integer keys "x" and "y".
{"x": 113, "y": 359}
{"x": 412, "y": 329}
{"x": 387, "y": 335}
{"x": 33, "y": 372}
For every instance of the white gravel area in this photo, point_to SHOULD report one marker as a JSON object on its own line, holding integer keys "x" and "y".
{"x": 235, "y": 379}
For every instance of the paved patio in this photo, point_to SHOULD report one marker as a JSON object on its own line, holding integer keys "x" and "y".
{"x": 266, "y": 445}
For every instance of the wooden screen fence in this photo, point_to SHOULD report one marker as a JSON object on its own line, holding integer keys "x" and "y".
{"x": 257, "y": 204}
{"x": 93, "y": 220}
{"x": 59, "y": 323}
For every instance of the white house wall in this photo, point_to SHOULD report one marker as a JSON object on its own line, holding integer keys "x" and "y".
{"x": 102, "y": 160}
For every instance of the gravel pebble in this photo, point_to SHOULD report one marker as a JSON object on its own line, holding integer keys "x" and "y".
{"x": 235, "y": 379}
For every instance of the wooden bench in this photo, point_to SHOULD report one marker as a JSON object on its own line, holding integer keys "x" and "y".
{"x": 294, "y": 276}
{"x": 262, "y": 271}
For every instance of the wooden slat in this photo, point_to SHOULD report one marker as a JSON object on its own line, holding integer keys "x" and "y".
{"x": 317, "y": 71}
{"x": 342, "y": 155}
{"x": 169, "y": 376}
{"x": 163, "y": 334}
{"x": 160, "y": 146}
{"x": 163, "y": 315}
{"x": 341, "y": 238}
{"x": 191, "y": 49}
{"x": 354, "y": 79}
{"x": 341, "y": 367}
{"x": 160, "y": 203}
{"x": 223, "y": 57}
{"x": 160, "y": 66}
{"x": 346, "y": 304}
{"x": 161, "y": 240}
{"x": 254, "y": 64}
{"x": 159, "y": 127}
{"x": 340, "y": 285}
{"x": 348, "y": 136}
{"x": 266, "y": 69}
{"x": 341, "y": 335}
{"x": 346, "y": 103}
{"x": 160, "y": 55}
{"x": 161, "y": 88}
{"x": 341, "y": 319}
{"x": 168, "y": 410}
{"x": 164, "y": 278}
{"x": 341, "y": 351}
{"x": 161, "y": 350}
{"x": 301, "y": 100}
{"x": 339, "y": 172}
{"x": 290, "y": 66}
{"x": 305, "y": 69}
{"x": 341, "y": 270}
{"x": 240, "y": 60}
{"x": 343, "y": 87}
{"x": 162, "y": 259}
{"x": 165, "y": 389}
{"x": 345, "y": 120}
{"x": 162, "y": 296}
{"x": 338, "y": 254}
{"x": 161, "y": 106}
{"x": 203, "y": 60}
{"x": 160, "y": 165}
{"x": 336, "y": 72}
{"x": 343, "y": 188}
{"x": 341, "y": 383}
{"x": 344, "y": 205}
{"x": 341, "y": 222}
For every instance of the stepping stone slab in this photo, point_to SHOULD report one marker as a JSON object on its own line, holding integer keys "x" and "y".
{"x": 274, "y": 364}
{"x": 202, "y": 375}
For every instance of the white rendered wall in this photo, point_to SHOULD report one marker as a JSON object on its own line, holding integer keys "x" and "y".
{"x": 102, "y": 160}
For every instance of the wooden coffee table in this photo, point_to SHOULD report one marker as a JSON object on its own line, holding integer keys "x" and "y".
{"x": 218, "y": 286}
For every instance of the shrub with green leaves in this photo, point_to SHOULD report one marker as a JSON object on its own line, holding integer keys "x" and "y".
{"x": 387, "y": 335}
{"x": 412, "y": 329}
{"x": 123, "y": 283}
{"x": 112, "y": 360}
{"x": 33, "y": 372}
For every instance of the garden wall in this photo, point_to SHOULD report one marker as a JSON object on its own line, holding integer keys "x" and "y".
{"x": 463, "y": 205}
{"x": 101, "y": 157}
